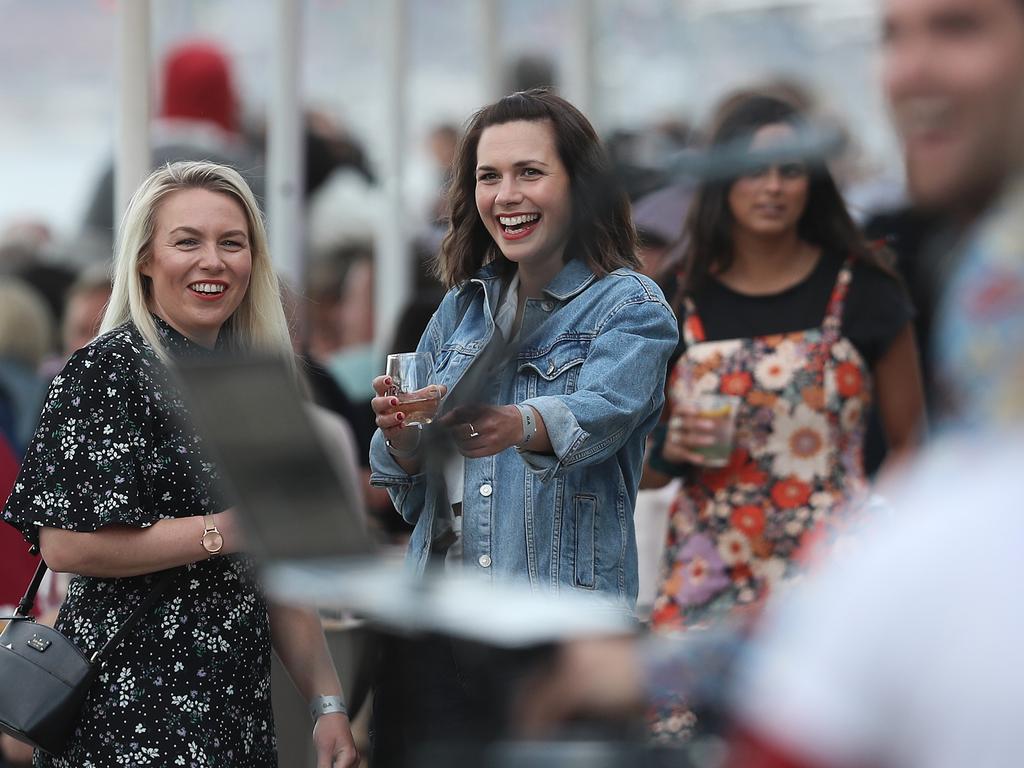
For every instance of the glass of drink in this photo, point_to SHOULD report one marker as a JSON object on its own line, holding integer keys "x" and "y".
{"x": 412, "y": 379}
{"x": 721, "y": 410}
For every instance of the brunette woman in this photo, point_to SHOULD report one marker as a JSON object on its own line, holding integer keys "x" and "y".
{"x": 787, "y": 309}
{"x": 552, "y": 351}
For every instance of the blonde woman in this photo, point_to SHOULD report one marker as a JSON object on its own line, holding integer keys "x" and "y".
{"x": 117, "y": 488}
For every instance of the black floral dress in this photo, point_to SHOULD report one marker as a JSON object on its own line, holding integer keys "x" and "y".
{"x": 190, "y": 685}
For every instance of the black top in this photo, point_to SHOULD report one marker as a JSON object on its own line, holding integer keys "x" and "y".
{"x": 876, "y": 309}
{"x": 192, "y": 680}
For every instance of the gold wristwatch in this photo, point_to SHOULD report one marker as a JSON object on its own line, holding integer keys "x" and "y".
{"x": 213, "y": 541}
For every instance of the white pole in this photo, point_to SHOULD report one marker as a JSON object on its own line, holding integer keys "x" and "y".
{"x": 285, "y": 176}
{"x": 132, "y": 157}
{"x": 393, "y": 267}
{"x": 581, "y": 81}
{"x": 490, "y": 25}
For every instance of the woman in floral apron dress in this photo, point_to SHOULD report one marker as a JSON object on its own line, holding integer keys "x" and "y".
{"x": 785, "y": 309}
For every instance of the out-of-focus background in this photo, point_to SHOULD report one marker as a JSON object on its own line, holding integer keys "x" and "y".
{"x": 649, "y": 63}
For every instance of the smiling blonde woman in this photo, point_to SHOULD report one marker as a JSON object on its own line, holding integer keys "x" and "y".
{"x": 117, "y": 488}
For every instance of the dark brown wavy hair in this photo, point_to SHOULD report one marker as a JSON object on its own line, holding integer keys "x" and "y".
{"x": 825, "y": 222}
{"x": 602, "y": 232}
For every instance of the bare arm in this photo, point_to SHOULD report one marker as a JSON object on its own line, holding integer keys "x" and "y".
{"x": 120, "y": 551}
{"x": 651, "y": 477}
{"x": 900, "y": 396}
{"x": 298, "y": 638}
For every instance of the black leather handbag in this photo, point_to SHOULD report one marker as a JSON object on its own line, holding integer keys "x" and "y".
{"x": 45, "y": 677}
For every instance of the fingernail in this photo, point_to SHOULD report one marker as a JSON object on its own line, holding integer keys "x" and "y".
{"x": 400, "y": 416}
{"x": 394, "y": 401}
{"x": 388, "y": 382}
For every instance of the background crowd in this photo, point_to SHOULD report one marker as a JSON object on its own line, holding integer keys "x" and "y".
{"x": 807, "y": 285}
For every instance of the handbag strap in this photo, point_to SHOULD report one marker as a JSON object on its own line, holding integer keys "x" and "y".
{"x": 27, "y": 602}
{"x": 143, "y": 608}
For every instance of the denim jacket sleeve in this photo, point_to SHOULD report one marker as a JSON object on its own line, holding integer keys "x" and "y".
{"x": 407, "y": 492}
{"x": 621, "y": 384}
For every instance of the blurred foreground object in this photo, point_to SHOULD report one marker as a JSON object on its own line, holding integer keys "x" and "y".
{"x": 902, "y": 654}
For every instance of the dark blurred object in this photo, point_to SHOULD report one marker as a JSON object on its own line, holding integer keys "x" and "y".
{"x": 330, "y": 148}
{"x": 919, "y": 241}
{"x": 638, "y": 178}
{"x": 413, "y": 322}
{"x": 530, "y": 71}
{"x": 52, "y": 282}
{"x": 588, "y": 749}
{"x": 924, "y": 258}
{"x": 643, "y": 158}
{"x": 440, "y": 697}
{"x": 660, "y": 219}
{"x": 327, "y": 394}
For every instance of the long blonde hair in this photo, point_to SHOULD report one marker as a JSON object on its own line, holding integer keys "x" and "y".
{"x": 259, "y": 323}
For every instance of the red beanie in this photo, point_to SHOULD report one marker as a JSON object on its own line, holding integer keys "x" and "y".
{"x": 197, "y": 85}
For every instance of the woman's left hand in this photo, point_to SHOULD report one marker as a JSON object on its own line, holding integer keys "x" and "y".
{"x": 332, "y": 737}
{"x": 484, "y": 430}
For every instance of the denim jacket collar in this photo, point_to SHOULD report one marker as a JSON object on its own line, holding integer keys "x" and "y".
{"x": 573, "y": 278}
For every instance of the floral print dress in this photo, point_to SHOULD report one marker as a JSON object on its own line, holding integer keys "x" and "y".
{"x": 796, "y": 464}
{"x": 190, "y": 685}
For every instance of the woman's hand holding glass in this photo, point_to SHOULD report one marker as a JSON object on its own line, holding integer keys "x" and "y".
{"x": 689, "y": 433}
{"x": 392, "y": 420}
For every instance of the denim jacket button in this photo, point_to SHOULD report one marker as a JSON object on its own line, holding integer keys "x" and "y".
{"x": 551, "y": 368}
{"x": 486, "y": 490}
{"x": 485, "y": 561}
{"x": 547, "y": 306}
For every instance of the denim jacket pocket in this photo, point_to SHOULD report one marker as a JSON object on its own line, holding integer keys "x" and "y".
{"x": 556, "y": 369}
{"x": 586, "y": 540}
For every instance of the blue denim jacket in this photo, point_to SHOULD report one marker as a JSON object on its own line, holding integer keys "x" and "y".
{"x": 591, "y": 359}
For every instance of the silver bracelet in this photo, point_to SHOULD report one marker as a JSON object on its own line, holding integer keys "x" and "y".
{"x": 529, "y": 425}
{"x": 403, "y": 453}
{"x": 325, "y": 705}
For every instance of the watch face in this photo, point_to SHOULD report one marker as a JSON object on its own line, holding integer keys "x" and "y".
{"x": 213, "y": 542}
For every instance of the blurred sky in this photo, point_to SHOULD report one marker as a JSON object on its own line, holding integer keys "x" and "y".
{"x": 656, "y": 59}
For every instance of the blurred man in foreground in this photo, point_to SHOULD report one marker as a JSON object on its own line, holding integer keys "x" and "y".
{"x": 901, "y": 652}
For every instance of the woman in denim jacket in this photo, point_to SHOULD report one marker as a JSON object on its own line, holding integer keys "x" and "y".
{"x": 551, "y": 354}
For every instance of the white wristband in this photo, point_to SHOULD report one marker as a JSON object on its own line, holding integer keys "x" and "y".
{"x": 325, "y": 705}
{"x": 529, "y": 425}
